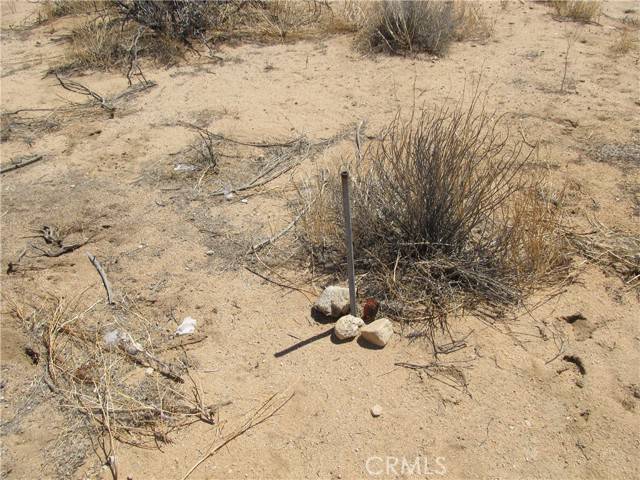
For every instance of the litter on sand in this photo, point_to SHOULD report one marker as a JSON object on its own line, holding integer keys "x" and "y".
{"x": 187, "y": 326}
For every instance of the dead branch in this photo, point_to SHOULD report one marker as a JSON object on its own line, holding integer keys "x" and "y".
{"x": 75, "y": 87}
{"x": 261, "y": 415}
{"x": 107, "y": 286}
{"x": 22, "y": 162}
{"x": 182, "y": 341}
{"x": 279, "y": 284}
{"x": 259, "y": 246}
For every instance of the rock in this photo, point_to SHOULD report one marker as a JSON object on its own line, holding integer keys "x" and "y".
{"x": 347, "y": 327}
{"x": 378, "y": 332}
{"x": 376, "y": 411}
{"x": 333, "y": 302}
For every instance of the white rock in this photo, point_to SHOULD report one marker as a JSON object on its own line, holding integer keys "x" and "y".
{"x": 347, "y": 327}
{"x": 376, "y": 411}
{"x": 378, "y": 332}
{"x": 333, "y": 302}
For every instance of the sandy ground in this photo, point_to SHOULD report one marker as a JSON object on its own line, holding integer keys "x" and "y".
{"x": 525, "y": 414}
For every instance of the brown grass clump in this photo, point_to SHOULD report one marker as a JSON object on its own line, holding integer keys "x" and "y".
{"x": 625, "y": 42}
{"x": 578, "y": 10}
{"x": 443, "y": 216}
{"x": 105, "y": 43}
{"x": 51, "y": 9}
{"x": 96, "y": 44}
{"x": 612, "y": 250}
{"x": 472, "y": 22}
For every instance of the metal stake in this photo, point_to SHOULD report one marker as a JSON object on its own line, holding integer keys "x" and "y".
{"x": 348, "y": 237}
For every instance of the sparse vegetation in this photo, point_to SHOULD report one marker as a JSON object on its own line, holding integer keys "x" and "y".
{"x": 86, "y": 358}
{"x": 625, "y": 42}
{"x": 164, "y": 31}
{"x": 578, "y": 10}
{"x": 612, "y": 250}
{"x": 472, "y": 22}
{"x": 443, "y": 216}
{"x": 60, "y": 8}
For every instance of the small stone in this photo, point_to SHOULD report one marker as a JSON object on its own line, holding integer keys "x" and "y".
{"x": 378, "y": 332}
{"x": 210, "y": 252}
{"x": 376, "y": 411}
{"x": 347, "y": 327}
{"x": 333, "y": 302}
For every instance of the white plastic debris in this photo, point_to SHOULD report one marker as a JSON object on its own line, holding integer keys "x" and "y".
{"x": 116, "y": 338}
{"x": 187, "y": 326}
{"x": 112, "y": 339}
{"x": 184, "y": 167}
{"x": 228, "y": 192}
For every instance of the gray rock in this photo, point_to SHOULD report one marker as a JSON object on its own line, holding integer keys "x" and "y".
{"x": 333, "y": 302}
{"x": 378, "y": 332}
{"x": 347, "y": 327}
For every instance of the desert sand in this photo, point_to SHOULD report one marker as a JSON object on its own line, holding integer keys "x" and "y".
{"x": 516, "y": 410}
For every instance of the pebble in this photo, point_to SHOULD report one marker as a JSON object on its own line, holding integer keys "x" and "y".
{"x": 376, "y": 411}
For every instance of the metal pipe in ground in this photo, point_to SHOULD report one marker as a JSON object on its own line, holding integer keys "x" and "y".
{"x": 348, "y": 236}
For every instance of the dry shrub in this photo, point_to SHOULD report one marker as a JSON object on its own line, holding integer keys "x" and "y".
{"x": 443, "y": 216}
{"x": 578, "y": 10}
{"x": 625, "y": 42}
{"x": 426, "y": 26}
{"x": 403, "y": 25}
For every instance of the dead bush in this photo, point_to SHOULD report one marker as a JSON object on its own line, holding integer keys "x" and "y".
{"x": 183, "y": 21}
{"x": 578, "y": 10}
{"x": 443, "y": 216}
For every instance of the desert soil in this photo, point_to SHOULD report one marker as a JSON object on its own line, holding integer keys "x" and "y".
{"x": 177, "y": 251}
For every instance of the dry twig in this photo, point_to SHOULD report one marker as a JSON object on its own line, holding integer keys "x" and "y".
{"x": 261, "y": 415}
